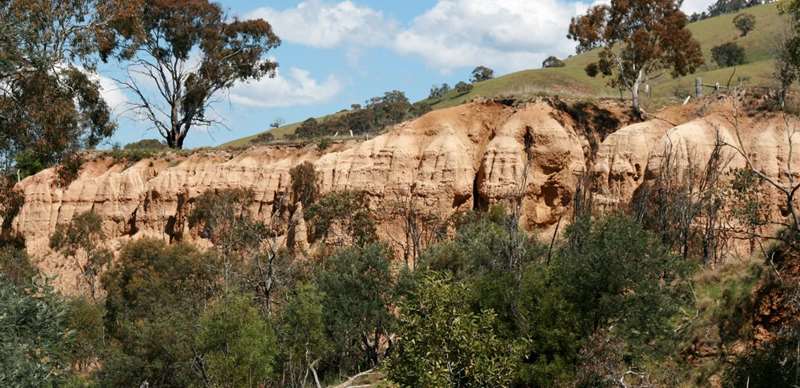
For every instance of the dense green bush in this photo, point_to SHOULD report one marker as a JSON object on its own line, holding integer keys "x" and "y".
{"x": 728, "y": 54}
{"x": 443, "y": 343}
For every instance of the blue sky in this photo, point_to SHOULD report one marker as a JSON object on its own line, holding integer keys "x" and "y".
{"x": 336, "y": 53}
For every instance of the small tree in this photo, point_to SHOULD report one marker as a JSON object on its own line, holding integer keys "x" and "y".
{"x": 481, "y": 73}
{"x": 34, "y": 336}
{"x": 552, "y": 61}
{"x": 728, "y": 54}
{"x": 304, "y": 184}
{"x": 189, "y": 51}
{"x": 49, "y": 106}
{"x": 463, "y": 88}
{"x": 638, "y": 39}
{"x": 277, "y": 123}
{"x": 441, "y": 343}
{"x": 745, "y": 23}
{"x": 82, "y": 241}
{"x": 438, "y": 92}
{"x": 358, "y": 284}
{"x": 302, "y": 334}
{"x": 237, "y": 345}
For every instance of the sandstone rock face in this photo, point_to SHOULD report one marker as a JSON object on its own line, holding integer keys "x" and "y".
{"x": 461, "y": 158}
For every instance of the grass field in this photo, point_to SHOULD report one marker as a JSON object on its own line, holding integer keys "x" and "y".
{"x": 571, "y": 80}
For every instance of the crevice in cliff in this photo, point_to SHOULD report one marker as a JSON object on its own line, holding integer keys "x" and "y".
{"x": 479, "y": 202}
{"x": 132, "y": 227}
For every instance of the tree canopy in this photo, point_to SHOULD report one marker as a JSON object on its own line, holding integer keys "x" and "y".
{"x": 50, "y": 106}
{"x": 189, "y": 50}
{"x": 638, "y": 39}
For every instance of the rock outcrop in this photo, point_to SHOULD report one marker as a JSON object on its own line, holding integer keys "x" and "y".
{"x": 466, "y": 157}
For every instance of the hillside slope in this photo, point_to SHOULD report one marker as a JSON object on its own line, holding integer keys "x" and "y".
{"x": 572, "y": 80}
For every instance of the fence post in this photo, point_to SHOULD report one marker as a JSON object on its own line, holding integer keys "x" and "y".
{"x": 698, "y": 87}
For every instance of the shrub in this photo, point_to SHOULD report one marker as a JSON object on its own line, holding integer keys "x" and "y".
{"x": 347, "y": 209}
{"x": 463, "y": 88}
{"x": 358, "y": 288}
{"x": 34, "y": 336}
{"x": 745, "y": 23}
{"x": 238, "y": 346}
{"x": 438, "y": 92}
{"x": 69, "y": 169}
{"x": 552, "y": 61}
{"x": 82, "y": 241}
{"x": 441, "y": 343}
{"x": 304, "y": 184}
{"x": 147, "y": 144}
{"x": 482, "y": 73}
{"x": 323, "y": 143}
{"x": 266, "y": 137}
{"x": 728, "y": 54}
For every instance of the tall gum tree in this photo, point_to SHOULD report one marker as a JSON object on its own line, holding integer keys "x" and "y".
{"x": 638, "y": 41}
{"x": 180, "y": 55}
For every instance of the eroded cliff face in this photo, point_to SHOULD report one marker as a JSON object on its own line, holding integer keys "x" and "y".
{"x": 454, "y": 159}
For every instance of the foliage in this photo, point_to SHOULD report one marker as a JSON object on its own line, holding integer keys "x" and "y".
{"x": 347, "y": 210}
{"x": 147, "y": 144}
{"x": 463, "y": 88}
{"x": 552, "y": 61}
{"x": 49, "y": 106}
{"x": 481, "y": 73}
{"x": 15, "y": 265}
{"x": 69, "y": 169}
{"x": 357, "y": 285}
{"x": 439, "y": 91}
{"x": 637, "y": 39}
{"x": 238, "y": 346}
{"x": 442, "y": 343}
{"x": 33, "y": 336}
{"x": 82, "y": 241}
{"x": 745, "y": 23}
{"x": 85, "y": 320}
{"x": 155, "y": 294}
{"x": 304, "y": 184}
{"x": 728, "y": 54}
{"x": 160, "y": 39}
{"x": 776, "y": 364}
{"x": 617, "y": 274}
{"x": 263, "y": 138}
{"x": 302, "y": 331}
{"x": 727, "y": 6}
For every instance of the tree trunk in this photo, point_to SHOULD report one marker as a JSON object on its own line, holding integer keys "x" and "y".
{"x": 635, "y": 91}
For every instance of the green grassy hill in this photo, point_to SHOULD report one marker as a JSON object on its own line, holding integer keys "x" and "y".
{"x": 572, "y": 81}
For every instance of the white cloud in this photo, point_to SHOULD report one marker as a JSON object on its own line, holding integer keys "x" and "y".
{"x": 295, "y": 89}
{"x": 505, "y": 34}
{"x": 323, "y": 25}
{"x": 692, "y": 6}
{"x": 112, "y": 93}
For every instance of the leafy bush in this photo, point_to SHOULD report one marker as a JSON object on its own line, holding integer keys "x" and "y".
{"x": 347, "y": 210}
{"x": 237, "y": 343}
{"x": 438, "y": 92}
{"x": 304, "y": 184}
{"x": 358, "y": 287}
{"x": 263, "y": 138}
{"x": 34, "y": 338}
{"x": 728, "y": 54}
{"x": 147, "y": 144}
{"x": 553, "y": 61}
{"x": 155, "y": 294}
{"x": 481, "y": 73}
{"x": 69, "y": 169}
{"x": 442, "y": 343}
{"x": 745, "y": 23}
{"x": 463, "y": 88}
